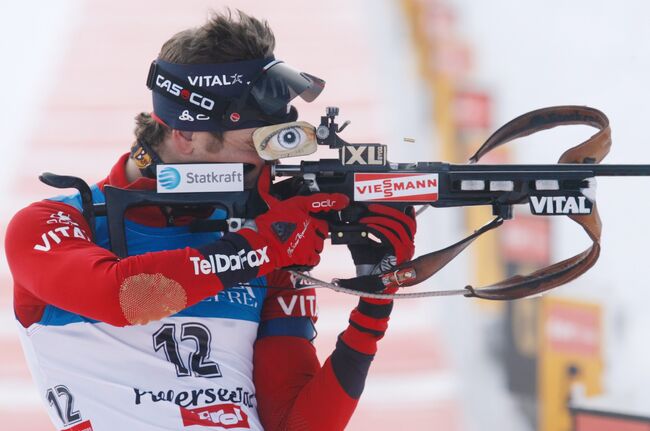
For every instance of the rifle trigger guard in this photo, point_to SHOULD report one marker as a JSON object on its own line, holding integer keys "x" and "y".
{"x": 311, "y": 183}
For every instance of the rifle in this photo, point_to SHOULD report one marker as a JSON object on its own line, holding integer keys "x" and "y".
{"x": 363, "y": 172}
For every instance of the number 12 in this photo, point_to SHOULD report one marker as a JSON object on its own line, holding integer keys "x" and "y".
{"x": 199, "y": 362}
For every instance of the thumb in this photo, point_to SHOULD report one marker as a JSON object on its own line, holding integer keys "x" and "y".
{"x": 264, "y": 186}
{"x": 324, "y": 202}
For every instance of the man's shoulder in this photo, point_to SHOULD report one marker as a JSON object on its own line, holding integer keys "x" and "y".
{"x": 29, "y": 222}
{"x": 48, "y": 208}
{"x": 66, "y": 206}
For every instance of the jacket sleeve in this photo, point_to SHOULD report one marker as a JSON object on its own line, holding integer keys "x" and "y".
{"x": 54, "y": 262}
{"x": 294, "y": 391}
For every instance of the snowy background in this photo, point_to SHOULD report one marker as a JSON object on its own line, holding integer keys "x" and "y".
{"x": 526, "y": 54}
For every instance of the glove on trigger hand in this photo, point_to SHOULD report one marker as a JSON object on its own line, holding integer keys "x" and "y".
{"x": 396, "y": 232}
{"x": 293, "y": 236}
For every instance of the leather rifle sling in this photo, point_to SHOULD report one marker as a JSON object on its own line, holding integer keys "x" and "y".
{"x": 593, "y": 150}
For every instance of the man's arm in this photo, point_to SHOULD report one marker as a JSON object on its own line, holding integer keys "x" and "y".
{"x": 53, "y": 261}
{"x": 293, "y": 391}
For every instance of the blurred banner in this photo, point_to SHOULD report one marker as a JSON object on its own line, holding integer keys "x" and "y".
{"x": 595, "y": 420}
{"x": 570, "y": 358}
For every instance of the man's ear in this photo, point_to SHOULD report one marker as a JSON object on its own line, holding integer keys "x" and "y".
{"x": 182, "y": 141}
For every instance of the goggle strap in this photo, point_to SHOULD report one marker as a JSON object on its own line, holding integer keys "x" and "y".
{"x": 146, "y": 158}
{"x": 220, "y": 104}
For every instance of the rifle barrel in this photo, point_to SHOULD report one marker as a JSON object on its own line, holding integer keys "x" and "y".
{"x": 622, "y": 170}
{"x": 597, "y": 170}
{"x": 604, "y": 170}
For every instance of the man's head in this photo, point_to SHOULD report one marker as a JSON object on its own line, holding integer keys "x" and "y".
{"x": 225, "y": 38}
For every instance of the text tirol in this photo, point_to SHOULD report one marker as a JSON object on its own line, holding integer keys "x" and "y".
{"x": 395, "y": 187}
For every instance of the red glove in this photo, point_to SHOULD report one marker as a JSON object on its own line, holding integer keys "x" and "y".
{"x": 396, "y": 230}
{"x": 292, "y": 235}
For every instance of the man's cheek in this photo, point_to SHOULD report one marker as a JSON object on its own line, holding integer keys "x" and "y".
{"x": 250, "y": 177}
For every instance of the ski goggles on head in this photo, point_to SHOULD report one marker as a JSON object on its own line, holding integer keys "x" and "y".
{"x": 278, "y": 84}
{"x": 228, "y": 96}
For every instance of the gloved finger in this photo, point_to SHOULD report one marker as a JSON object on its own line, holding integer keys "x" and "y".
{"x": 318, "y": 243}
{"x": 264, "y": 186}
{"x": 321, "y": 227}
{"x": 410, "y": 211}
{"x": 402, "y": 233}
{"x": 314, "y": 240}
{"x": 403, "y": 251}
{"x": 313, "y": 259}
{"x": 322, "y": 202}
{"x": 407, "y": 219}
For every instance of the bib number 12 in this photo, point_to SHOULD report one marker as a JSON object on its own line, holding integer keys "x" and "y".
{"x": 191, "y": 333}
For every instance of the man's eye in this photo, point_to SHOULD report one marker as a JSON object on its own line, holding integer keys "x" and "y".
{"x": 290, "y": 138}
